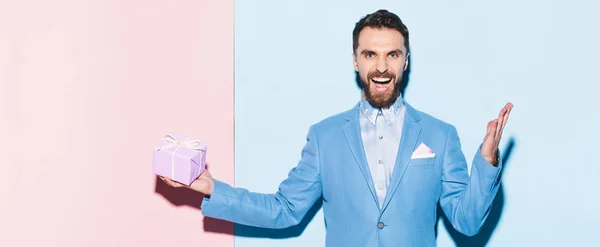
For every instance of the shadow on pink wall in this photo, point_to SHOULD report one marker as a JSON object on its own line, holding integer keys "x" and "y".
{"x": 186, "y": 197}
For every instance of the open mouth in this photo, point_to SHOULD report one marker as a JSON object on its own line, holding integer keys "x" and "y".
{"x": 381, "y": 83}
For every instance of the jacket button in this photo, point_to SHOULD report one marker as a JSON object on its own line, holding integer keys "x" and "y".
{"x": 380, "y": 225}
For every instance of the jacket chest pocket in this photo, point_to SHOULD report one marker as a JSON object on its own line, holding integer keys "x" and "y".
{"x": 422, "y": 162}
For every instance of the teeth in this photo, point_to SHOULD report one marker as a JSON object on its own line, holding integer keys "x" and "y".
{"x": 382, "y": 79}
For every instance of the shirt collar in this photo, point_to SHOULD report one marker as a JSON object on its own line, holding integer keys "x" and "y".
{"x": 389, "y": 114}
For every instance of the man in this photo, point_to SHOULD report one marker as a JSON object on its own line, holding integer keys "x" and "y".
{"x": 381, "y": 167}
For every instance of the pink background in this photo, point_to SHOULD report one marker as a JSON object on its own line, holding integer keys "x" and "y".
{"x": 86, "y": 89}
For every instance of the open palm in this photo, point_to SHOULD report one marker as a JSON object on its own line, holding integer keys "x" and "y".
{"x": 489, "y": 149}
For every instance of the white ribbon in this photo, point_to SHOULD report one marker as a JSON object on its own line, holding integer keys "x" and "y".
{"x": 173, "y": 142}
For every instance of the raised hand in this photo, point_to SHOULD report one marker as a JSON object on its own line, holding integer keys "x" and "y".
{"x": 489, "y": 149}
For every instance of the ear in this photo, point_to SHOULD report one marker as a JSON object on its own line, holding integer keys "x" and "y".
{"x": 354, "y": 62}
{"x": 406, "y": 63}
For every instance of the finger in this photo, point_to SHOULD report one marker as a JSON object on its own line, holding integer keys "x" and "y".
{"x": 491, "y": 129}
{"x": 168, "y": 181}
{"x": 502, "y": 111}
{"x": 175, "y": 183}
{"x": 501, "y": 119}
{"x": 510, "y": 106}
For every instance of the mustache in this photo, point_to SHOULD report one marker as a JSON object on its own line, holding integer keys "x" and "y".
{"x": 386, "y": 74}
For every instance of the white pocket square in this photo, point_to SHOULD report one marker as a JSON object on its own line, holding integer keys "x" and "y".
{"x": 422, "y": 152}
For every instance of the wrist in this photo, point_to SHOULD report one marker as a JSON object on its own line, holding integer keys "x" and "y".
{"x": 211, "y": 188}
{"x": 204, "y": 186}
{"x": 495, "y": 159}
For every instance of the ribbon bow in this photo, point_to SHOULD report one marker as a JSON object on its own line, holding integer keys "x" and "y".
{"x": 172, "y": 142}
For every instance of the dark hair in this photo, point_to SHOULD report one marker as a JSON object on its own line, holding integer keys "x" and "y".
{"x": 380, "y": 19}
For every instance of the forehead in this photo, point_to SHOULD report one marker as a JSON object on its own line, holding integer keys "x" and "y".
{"x": 380, "y": 40}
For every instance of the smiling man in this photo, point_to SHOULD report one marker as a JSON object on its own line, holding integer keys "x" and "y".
{"x": 382, "y": 55}
{"x": 382, "y": 167}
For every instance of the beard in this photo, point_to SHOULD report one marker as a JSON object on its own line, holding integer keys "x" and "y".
{"x": 381, "y": 100}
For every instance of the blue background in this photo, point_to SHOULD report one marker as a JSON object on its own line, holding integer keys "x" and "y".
{"x": 293, "y": 67}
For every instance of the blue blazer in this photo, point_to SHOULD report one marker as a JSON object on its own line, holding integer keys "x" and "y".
{"x": 333, "y": 165}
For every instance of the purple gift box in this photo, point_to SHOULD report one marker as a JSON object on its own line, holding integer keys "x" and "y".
{"x": 179, "y": 158}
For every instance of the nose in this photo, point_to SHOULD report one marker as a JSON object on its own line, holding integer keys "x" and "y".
{"x": 381, "y": 65}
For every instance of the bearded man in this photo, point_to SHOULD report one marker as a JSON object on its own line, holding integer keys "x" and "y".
{"x": 381, "y": 168}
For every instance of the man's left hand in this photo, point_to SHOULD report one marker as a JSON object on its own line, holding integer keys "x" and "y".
{"x": 489, "y": 149}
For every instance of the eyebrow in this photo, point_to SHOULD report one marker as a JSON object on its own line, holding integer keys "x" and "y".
{"x": 365, "y": 52}
{"x": 396, "y": 51}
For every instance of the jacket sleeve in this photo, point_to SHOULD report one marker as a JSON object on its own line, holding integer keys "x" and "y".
{"x": 284, "y": 208}
{"x": 465, "y": 200}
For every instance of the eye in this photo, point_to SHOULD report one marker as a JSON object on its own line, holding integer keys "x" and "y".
{"x": 370, "y": 55}
{"x": 394, "y": 55}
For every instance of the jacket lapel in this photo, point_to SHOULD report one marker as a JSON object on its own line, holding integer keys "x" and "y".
{"x": 354, "y": 139}
{"x": 410, "y": 134}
